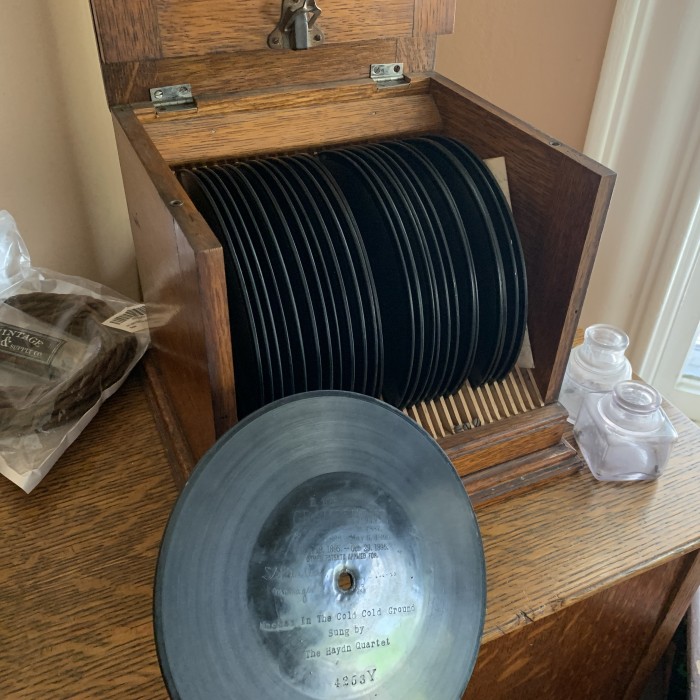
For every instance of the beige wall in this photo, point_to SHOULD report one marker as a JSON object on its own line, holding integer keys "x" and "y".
{"x": 538, "y": 59}
{"x": 59, "y": 174}
{"x": 60, "y": 178}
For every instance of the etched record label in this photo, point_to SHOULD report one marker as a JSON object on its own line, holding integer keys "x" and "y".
{"x": 333, "y": 582}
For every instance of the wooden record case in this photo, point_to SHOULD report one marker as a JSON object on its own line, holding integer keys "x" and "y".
{"x": 254, "y": 98}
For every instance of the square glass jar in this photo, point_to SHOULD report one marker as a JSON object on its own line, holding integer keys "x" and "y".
{"x": 625, "y": 435}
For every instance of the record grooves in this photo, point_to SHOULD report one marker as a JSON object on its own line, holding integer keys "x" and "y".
{"x": 324, "y": 547}
{"x": 393, "y": 269}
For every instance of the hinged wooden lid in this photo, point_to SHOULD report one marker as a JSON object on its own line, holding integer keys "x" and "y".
{"x": 222, "y": 45}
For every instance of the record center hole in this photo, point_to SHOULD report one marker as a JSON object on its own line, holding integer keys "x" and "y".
{"x": 345, "y": 581}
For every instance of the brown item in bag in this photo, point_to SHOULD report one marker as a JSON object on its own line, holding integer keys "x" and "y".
{"x": 57, "y": 400}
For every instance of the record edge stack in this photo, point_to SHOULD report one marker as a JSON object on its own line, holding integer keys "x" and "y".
{"x": 306, "y": 238}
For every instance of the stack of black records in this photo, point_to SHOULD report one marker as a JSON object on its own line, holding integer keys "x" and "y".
{"x": 390, "y": 269}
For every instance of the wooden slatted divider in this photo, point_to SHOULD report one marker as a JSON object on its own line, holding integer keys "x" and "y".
{"x": 471, "y": 408}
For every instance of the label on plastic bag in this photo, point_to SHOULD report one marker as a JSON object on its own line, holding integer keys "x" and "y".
{"x": 132, "y": 319}
{"x": 27, "y": 349}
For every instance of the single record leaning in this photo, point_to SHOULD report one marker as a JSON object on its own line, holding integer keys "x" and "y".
{"x": 324, "y": 547}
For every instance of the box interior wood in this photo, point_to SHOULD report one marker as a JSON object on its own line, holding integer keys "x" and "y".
{"x": 308, "y": 100}
{"x": 220, "y": 47}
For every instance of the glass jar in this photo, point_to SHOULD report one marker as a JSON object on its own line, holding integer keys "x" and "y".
{"x": 595, "y": 366}
{"x": 625, "y": 435}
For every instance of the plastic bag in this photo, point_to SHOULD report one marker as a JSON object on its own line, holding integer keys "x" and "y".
{"x": 66, "y": 345}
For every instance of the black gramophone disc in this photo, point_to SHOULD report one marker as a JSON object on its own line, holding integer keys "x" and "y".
{"x": 368, "y": 351}
{"x": 422, "y": 269}
{"x": 267, "y": 282}
{"x": 246, "y": 348}
{"x": 326, "y": 262}
{"x": 274, "y": 224}
{"x": 395, "y": 209}
{"x": 239, "y": 240}
{"x": 291, "y": 315}
{"x": 466, "y": 343}
{"x": 439, "y": 255}
{"x": 324, "y": 547}
{"x": 509, "y": 243}
{"x": 390, "y": 269}
{"x": 488, "y": 266}
{"x": 299, "y": 228}
{"x": 341, "y": 276}
{"x": 521, "y": 271}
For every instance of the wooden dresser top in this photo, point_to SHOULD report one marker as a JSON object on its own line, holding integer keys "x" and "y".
{"x": 77, "y": 556}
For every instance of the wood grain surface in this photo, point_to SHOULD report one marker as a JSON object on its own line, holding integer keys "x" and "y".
{"x": 675, "y": 606}
{"x": 77, "y": 564}
{"x": 417, "y": 54}
{"x": 130, "y": 31}
{"x": 129, "y": 82}
{"x": 77, "y": 560}
{"x": 506, "y": 439}
{"x": 433, "y": 17}
{"x": 516, "y": 476}
{"x": 588, "y": 651}
{"x": 576, "y": 536}
{"x": 126, "y": 30}
{"x": 219, "y": 133}
{"x": 208, "y": 26}
{"x": 183, "y": 282}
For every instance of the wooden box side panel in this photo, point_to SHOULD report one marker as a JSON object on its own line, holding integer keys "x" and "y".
{"x": 182, "y": 276}
{"x": 286, "y": 120}
{"x": 560, "y": 199}
{"x": 134, "y": 30}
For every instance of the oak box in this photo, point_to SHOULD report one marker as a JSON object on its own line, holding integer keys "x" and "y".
{"x": 275, "y": 77}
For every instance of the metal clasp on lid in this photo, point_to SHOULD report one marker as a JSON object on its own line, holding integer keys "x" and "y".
{"x": 297, "y": 28}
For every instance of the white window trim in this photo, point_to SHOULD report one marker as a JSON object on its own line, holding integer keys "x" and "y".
{"x": 647, "y": 270}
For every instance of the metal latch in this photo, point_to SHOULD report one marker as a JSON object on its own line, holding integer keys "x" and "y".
{"x": 173, "y": 98}
{"x": 297, "y": 28}
{"x": 388, "y": 74}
